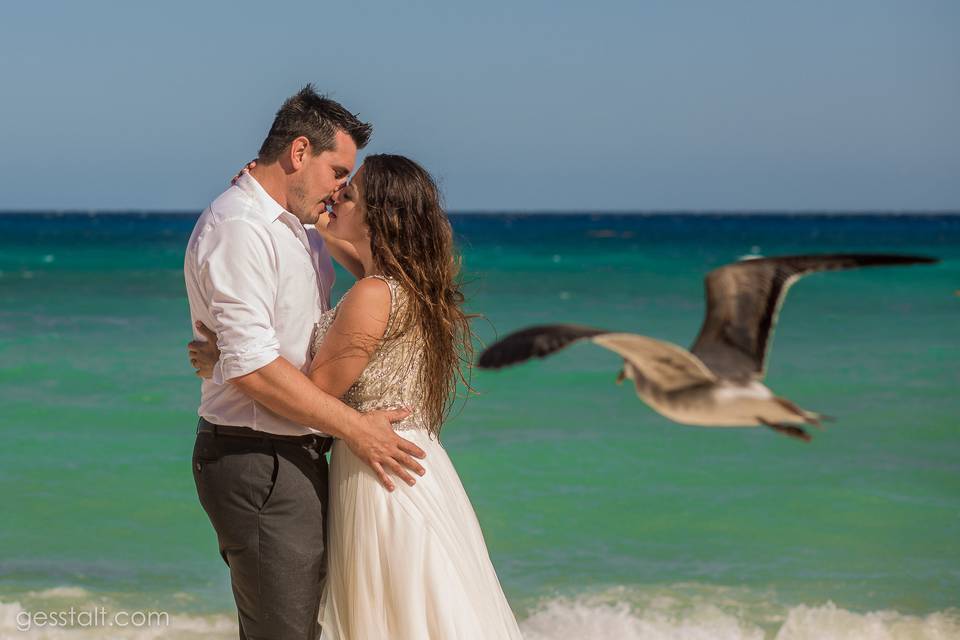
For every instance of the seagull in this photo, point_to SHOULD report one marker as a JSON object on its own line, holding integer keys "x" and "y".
{"x": 719, "y": 381}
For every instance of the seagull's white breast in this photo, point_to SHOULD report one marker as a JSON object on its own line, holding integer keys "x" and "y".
{"x": 726, "y": 404}
{"x": 729, "y": 393}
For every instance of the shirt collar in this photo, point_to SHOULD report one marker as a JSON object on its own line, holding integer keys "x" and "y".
{"x": 268, "y": 207}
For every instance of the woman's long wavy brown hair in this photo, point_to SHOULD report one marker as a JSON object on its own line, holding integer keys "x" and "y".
{"x": 412, "y": 241}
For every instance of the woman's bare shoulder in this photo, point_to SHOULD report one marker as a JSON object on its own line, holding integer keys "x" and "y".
{"x": 367, "y": 303}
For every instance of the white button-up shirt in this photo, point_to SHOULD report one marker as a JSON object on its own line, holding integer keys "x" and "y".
{"x": 260, "y": 280}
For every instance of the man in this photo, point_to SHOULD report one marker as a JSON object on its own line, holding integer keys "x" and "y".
{"x": 255, "y": 277}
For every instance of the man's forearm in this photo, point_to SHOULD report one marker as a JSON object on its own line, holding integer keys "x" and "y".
{"x": 285, "y": 390}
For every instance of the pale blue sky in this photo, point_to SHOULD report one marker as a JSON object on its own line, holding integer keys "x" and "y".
{"x": 644, "y": 105}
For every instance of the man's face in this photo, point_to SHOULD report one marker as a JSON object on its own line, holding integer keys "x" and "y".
{"x": 319, "y": 177}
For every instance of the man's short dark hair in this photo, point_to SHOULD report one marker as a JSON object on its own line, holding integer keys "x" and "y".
{"x": 316, "y": 117}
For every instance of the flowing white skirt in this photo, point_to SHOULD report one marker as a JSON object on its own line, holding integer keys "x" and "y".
{"x": 408, "y": 565}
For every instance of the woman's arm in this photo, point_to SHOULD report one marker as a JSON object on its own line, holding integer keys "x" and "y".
{"x": 340, "y": 250}
{"x": 357, "y": 330}
{"x": 342, "y": 356}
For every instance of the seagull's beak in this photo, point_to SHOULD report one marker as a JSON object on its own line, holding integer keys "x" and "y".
{"x": 622, "y": 375}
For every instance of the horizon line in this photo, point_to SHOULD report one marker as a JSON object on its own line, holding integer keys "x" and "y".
{"x": 536, "y": 212}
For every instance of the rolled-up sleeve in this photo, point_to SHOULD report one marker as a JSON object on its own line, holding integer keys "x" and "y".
{"x": 239, "y": 272}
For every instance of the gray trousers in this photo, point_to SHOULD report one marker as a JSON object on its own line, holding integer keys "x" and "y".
{"x": 266, "y": 499}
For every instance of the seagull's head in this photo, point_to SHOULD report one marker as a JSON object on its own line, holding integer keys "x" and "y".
{"x": 629, "y": 372}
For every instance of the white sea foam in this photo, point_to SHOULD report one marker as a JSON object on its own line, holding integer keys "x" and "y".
{"x": 583, "y": 620}
{"x": 829, "y": 622}
{"x": 660, "y": 617}
{"x": 614, "y": 614}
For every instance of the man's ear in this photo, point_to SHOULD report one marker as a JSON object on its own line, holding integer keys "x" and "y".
{"x": 299, "y": 149}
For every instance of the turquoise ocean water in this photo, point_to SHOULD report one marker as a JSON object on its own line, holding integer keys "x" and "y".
{"x": 603, "y": 519}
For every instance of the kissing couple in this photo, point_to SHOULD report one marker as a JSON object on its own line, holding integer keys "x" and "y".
{"x": 345, "y": 552}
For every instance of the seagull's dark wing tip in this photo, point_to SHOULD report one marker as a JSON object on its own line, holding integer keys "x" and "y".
{"x": 533, "y": 342}
{"x": 894, "y": 258}
{"x": 829, "y": 261}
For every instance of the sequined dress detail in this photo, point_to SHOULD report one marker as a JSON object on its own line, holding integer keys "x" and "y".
{"x": 390, "y": 379}
{"x": 410, "y": 564}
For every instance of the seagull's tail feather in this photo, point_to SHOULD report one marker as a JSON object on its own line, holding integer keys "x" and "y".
{"x": 788, "y": 430}
{"x": 807, "y": 417}
{"x": 816, "y": 419}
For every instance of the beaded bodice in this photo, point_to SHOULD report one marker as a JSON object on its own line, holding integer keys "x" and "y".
{"x": 390, "y": 379}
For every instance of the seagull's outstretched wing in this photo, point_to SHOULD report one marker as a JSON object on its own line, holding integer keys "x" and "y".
{"x": 662, "y": 364}
{"x": 533, "y": 342}
{"x": 744, "y": 298}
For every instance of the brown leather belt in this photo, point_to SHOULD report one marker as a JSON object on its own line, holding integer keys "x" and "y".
{"x": 323, "y": 443}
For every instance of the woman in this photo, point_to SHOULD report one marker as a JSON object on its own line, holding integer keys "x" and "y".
{"x": 409, "y": 564}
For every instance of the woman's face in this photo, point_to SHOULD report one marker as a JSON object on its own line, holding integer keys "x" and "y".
{"x": 347, "y": 218}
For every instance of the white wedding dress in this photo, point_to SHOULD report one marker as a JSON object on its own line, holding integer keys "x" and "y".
{"x": 411, "y": 564}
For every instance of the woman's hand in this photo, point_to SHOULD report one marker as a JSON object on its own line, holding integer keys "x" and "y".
{"x": 203, "y": 354}
{"x": 246, "y": 169}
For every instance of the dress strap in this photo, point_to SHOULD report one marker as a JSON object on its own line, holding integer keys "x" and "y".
{"x": 390, "y": 281}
